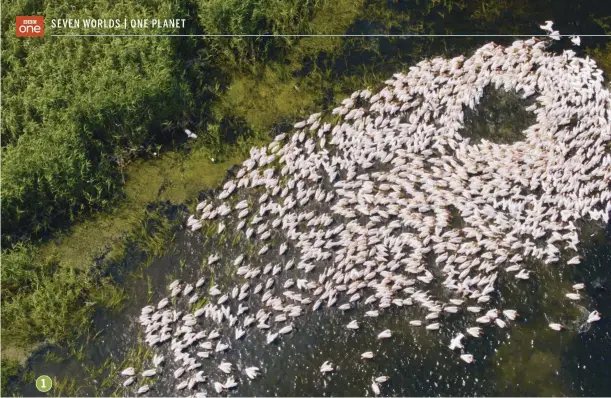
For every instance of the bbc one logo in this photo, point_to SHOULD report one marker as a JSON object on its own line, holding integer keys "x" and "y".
{"x": 30, "y": 26}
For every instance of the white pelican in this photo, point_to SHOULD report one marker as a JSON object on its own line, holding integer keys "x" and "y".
{"x": 230, "y": 383}
{"x": 128, "y": 382}
{"x": 225, "y": 367}
{"x": 252, "y": 372}
{"x": 594, "y": 316}
{"x": 375, "y": 388}
{"x": 468, "y": 358}
{"x": 285, "y": 330}
{"x": 556, "y": 326}
{"x": 128, "y": 371}
{"x": 218, "y": 387}
{"x": 271, "y": 337}
{"x": 474, "y": 331}
{"x": 326, "y": 367}
{"x": 353, "y": 325}
{"x": 548, "y": 26}
{"x": 382, "y": 379}
{"x": 149, "y": 373}
{"x": 456, "y": 342}
{"x": 367, "y": 355}
{"x": 510, "y": 314}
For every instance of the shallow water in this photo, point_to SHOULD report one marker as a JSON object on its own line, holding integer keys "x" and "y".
{"x": 527, "y": 358}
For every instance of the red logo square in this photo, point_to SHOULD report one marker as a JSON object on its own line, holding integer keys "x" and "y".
{"x": 30, "y": 26}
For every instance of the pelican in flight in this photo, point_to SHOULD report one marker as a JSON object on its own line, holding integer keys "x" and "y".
{"x": 548, "y": 26}
{"x": 326, "y": 367}
{"x": 190, "y": 134}
{"x": 455, "y": 342}
{"x": 576, "y": 40}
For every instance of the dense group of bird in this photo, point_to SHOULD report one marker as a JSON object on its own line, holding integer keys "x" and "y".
{"x": 357, "y": 212}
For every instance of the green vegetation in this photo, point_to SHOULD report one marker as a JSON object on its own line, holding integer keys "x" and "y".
{"x": 253, "y": 17}
{"x": 92, "y": 127}
{"x": 38, "y": 306}
{"x": 602, "y": 52}
{"x": 77, "y": 110}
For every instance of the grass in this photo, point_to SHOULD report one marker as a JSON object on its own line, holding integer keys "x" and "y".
{"x": 172, "y": 177}
{"x": 102, "y": 379}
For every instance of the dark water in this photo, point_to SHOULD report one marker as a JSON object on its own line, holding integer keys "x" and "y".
{"x": 527, "y": 358}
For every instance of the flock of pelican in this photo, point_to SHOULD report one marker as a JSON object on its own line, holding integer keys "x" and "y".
{"x": 357, "y": 212}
